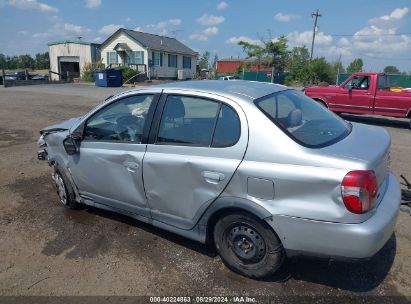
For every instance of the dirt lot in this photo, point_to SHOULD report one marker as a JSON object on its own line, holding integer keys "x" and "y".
{"x": 47, "y": 250}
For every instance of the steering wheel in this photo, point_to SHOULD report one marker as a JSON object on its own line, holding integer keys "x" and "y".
{"x": 129, "y": 128}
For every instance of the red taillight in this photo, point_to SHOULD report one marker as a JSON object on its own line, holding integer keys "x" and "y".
{"x": 359, "y": 190}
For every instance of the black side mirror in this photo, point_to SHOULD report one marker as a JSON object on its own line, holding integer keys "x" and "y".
{"x": 70, "y": 145}
{"x": 77, "y": 134}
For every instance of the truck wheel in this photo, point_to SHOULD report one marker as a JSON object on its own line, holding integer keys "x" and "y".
{"x": 65, "y": 190}
{"x": 248, "y": 246}
{"x": 322, "y": 103}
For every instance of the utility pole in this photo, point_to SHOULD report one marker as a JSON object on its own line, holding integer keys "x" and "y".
{"x": 337, "y": 80}
{"x": 315, "y": 15}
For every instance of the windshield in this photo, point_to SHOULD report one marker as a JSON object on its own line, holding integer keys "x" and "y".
{"x": 303, "y": 119}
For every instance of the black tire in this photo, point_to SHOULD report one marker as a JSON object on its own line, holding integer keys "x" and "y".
{"x": 248, "y": 246}
{"x": 65, "y": 190}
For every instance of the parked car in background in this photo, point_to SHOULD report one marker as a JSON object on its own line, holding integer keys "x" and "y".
{"x": 16, "y": 75}
{"x": 259, "y": 170}
{"x": 40, "y": 77}
{"x": 228, "y": 78}
{"x": 364, "y": 93}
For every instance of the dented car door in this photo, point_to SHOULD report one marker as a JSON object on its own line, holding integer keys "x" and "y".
{"x": 108, "y": 167}
{"x": 195, "y": 146}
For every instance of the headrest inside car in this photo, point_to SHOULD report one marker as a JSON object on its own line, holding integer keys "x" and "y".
{"x": 175, "y": 108}
{"x": 294, "y": 118}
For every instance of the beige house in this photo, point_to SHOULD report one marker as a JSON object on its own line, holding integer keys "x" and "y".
{"x": 157, "y": 56}
{"x": 69, "y": 57}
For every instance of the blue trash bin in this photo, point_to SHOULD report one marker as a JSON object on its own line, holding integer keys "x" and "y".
{"x": 109, "y": 78}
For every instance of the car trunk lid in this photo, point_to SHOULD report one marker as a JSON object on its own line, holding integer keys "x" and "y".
{"x": 369, "y": 145}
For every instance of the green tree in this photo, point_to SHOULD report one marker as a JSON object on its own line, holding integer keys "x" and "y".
{"x": 298, "y": 66}
{"x": 204, "y": 62}
{"x": 336, "y": 68}
{"x": 321, "y": 70}
{"x": 391, "y": 69}
{"x": 270, "y": 53}
{"x": 25, "y": 62}
{"x": 12, "y": 62}
{"x": 355, "y": 66}
{"x": 3, "y": 61}
{"x": 42, "y": 61}
{"x": 277, "y": 53}
{"x": 253, "y": 51}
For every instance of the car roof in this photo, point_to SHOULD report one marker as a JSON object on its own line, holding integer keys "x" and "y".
{"x": 247, "y": 90}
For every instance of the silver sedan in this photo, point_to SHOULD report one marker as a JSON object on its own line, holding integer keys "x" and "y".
{"x": 258, "y": 170}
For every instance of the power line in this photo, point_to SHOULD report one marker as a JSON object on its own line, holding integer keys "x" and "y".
{"x": 386, "y": 58}
{"x": 365, "y": 35}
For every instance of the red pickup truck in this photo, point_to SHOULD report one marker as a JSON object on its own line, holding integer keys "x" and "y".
{"x": 365, "y": 93}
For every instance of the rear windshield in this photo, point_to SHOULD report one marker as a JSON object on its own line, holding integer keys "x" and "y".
{"x": 303, "y": 119}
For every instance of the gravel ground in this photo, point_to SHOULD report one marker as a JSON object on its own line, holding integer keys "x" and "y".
{"x": 48, "y": 250}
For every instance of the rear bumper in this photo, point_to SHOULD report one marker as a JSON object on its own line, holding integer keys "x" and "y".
{"x": 338, "y": 240}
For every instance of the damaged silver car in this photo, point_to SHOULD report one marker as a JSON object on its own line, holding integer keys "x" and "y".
{"x": 259, "y": 170}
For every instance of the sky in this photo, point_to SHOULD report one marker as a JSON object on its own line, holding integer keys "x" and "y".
{"x": 378, "y": 31}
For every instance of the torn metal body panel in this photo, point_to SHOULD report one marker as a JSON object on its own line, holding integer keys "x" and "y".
{"x": 63, "y": 126}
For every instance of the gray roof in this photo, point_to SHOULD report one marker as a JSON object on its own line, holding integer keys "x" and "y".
{"x": 249, "y": 90}
{"x": 155, "y": 42}
{"x": 122, "y": 46}
{"x": 73, "y": 41}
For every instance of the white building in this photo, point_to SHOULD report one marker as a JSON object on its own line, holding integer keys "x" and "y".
{"x": 159, "y": 56}
{"x": 71, "y": 56}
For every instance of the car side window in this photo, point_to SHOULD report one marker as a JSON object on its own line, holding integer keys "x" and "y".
{"x": 282, "y": 108}
{"x": 187, "y": 120}
{"x": 383, "y": 83}
{"x": 348, "y": 85}
{"x": 228, "y": 128}
{"x": 358, "y": 83}
{"x": 121, "y": 121}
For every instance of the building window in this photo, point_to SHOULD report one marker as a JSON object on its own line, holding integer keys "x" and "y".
{"x": 157, "y": 59}
{"x": 112, "y": 57}
{"x": 137, "y": 57}
{"x": 172, "y": 61}
{"x": 186, "y": 62}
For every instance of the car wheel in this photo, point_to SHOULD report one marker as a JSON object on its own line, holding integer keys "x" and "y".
{"x": 248, "y": 246}
{"x": 65, "y": 190}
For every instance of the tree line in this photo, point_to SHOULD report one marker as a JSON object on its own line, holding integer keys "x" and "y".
{"x": 296, "y": 62}
{"x": 301, "y": 70}
{"x": 40, "y": 61}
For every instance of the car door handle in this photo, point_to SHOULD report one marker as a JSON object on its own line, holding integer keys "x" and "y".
{"x": 213, "y": 176}
{"x": 131, "y": 166}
